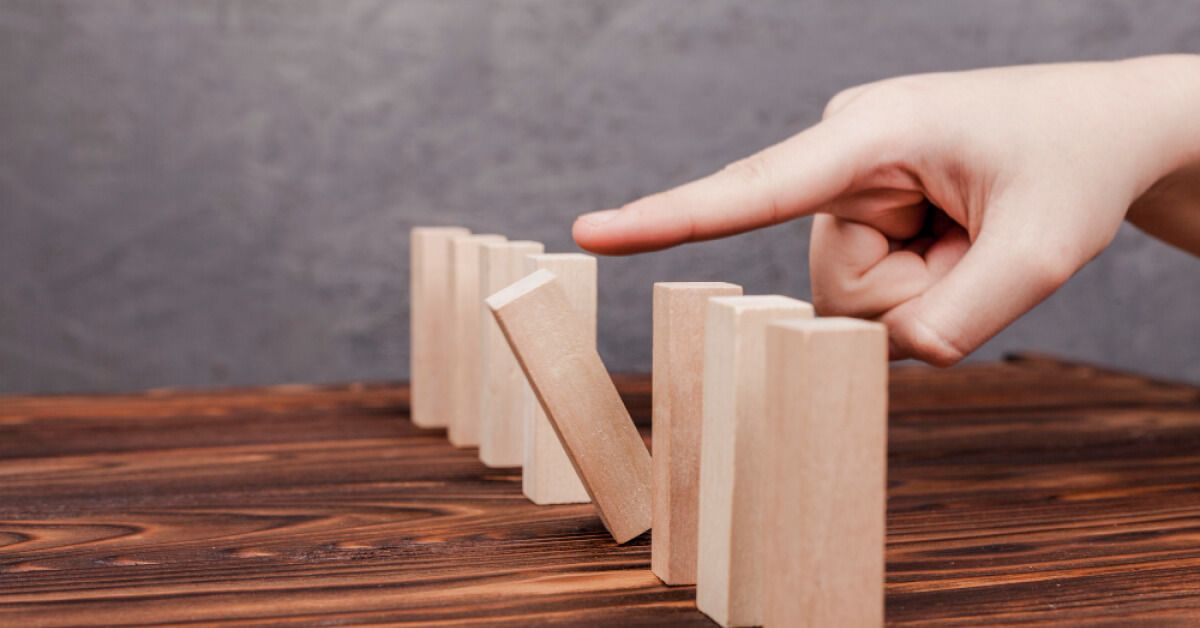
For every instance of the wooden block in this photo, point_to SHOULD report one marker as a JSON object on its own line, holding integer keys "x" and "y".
{"x": 502, "y": 394}
{"x": 555, "y": 350}
{"x": 827, "y": 494}
{"x": 547, "y": 476}
{"x": 678, "y": 404}
{"x": 733, "y": 447}
{"x": 467, "y": 322}
{"x": 429, "y": 310}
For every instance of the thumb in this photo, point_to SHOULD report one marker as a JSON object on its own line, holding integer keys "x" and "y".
{"x": 787, "y": 180}
{"x": 1008, "y": 270}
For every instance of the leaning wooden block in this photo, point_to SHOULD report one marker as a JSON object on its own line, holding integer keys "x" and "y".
{"x": 547, "y": 476}
{"x": 429, "y": 303}
{"x": 678, "y": 404}
{"x": 732, "y": 459}
{"x": 554, "y": 348}
{"x": 502, "y": 393}
{"x": 466, "y": 323}
{"x": 827, "y": 495}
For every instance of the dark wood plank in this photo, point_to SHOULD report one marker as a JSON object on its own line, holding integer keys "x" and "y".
{"x": 1026, "y": 491}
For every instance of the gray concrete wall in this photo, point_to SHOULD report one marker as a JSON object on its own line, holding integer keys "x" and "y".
{"x": 219, "y": 193}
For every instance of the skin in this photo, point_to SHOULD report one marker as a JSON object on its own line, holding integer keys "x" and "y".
{"x": 948, "y": 205}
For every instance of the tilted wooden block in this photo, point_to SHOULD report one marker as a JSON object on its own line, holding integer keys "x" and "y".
{"x": 501, "y": 404}
{"x": 429, "y": 313}
{"x": 547, "y": 476}
{"x": 559, "y": 358}
{"x": 826, "y": 510}
{"x": 733, "y": 447}
{"x": 678, "y": 404}
{"x": 466, "y": 321}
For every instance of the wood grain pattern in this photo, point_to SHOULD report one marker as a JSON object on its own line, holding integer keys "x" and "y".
{"x": 556, "y": 349}
{"x": 733, "y": 446}
{"x": 467, "y": 322}
{"x": 1029, "y": 491}
{"x": 547, "y": 477}
{"x": 826, "y": 484}
{"x": 429, "y": 313}
{"x": 502, "y": 392}
{"x": 678, "y": 407}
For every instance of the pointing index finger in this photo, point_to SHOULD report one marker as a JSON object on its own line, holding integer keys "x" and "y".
{"x": 785, "y": 181}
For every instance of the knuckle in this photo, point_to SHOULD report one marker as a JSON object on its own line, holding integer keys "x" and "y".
{"x": 751, "y": 171}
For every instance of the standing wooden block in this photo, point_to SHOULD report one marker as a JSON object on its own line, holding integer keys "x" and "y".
{"x": 547, "y": 476}
{"x": 827, "y": 494}
{"x": 467, "y": 322}
{"x": 502, "y": 395}
{"x": 733, "y": 447}
{"x": 429, "y": 313}
{"x": 678, "y": 404}
{"x": 554, "y": 348}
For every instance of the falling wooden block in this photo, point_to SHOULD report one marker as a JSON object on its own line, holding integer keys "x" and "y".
{"x": 678, "y": 404}
{"x": 556, "y": 351}
{"x": 825, "y": 521}
{"x": 547, "y": 476}
{"x": 733, "y": 447}
{"x": 466, "y": 321}
{"x": 502, "y": 394}
{"x": 429, "y": 303}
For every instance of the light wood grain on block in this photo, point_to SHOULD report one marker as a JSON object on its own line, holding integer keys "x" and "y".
{"x": 826, "y": 510}
{"x": 429, "y": 314}
{"x": 547, "y": 476}
{"x": 466, "y": 321}
{"x": 502, "y": 393}
{"x": 555, "y": 351}
{"x": 678, "y": 403}
{"x": 733, "y": 459}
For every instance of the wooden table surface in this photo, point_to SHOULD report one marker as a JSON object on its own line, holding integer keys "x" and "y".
{"x": 1030, "y": 490}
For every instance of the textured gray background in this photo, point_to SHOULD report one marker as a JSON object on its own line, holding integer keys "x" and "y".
{"x": 217, "y": 193}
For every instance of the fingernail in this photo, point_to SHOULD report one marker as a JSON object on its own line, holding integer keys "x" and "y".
{"x": 596, "y": 219}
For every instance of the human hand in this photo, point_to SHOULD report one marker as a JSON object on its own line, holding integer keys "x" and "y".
{"x": 946, "y": 205}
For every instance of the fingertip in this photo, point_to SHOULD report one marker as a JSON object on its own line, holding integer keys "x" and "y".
{"x": 589, "y": 232}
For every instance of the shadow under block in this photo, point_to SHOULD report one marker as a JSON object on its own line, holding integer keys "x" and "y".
{"x": 466, "y": 321}
{"x": 429, "y": 314}
{"x": 678, "y": 404}
{"x": 825, "y": 521}
{"x": 558, "y": 355}
{"x": 502, "y": 391}
{"x": 733, "y": 467}
{"x": 547, "y": 476}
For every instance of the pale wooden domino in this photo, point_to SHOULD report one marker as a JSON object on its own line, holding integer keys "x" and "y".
{"x": 429, "y": 312}
{"x": 466, "y": 320}
{"x": 502, "y": 393}
{"x": 733, "y": 449}
{"x": 678, "y": 404}
{"x": 825, "y": 522}
{"x": 547, "y": 476}
{"x": 558, "y": 356}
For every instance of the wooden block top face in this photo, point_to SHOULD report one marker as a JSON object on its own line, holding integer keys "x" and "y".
{"x": 578, "y": 395}
{"x": 679, "y": 321}
{"x": 760, "y": 302}
{"x": 831, "y": 324}
{"x": 519, "y": 288}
